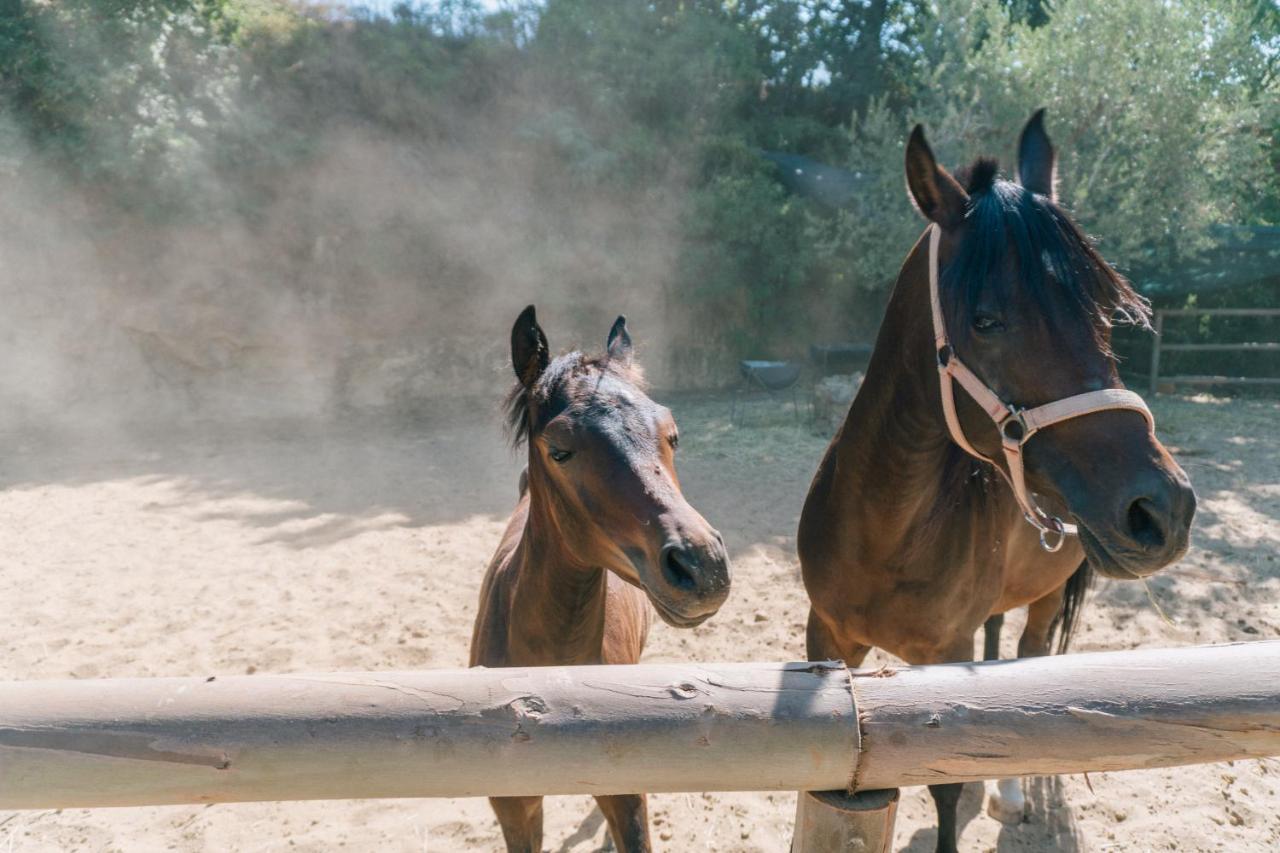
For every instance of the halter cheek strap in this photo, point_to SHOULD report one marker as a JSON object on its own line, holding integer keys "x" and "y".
{"x": 1016, "y": 426}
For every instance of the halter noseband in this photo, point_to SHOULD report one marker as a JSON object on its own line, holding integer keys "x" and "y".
{"x": 1016, "y": 425}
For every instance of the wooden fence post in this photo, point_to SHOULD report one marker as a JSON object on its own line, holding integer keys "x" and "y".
{"x": 839, "y": 822}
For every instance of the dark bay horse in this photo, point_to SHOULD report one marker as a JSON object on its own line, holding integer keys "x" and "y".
{"x": 600, "y": 526}
{"x": 940, "y": 503}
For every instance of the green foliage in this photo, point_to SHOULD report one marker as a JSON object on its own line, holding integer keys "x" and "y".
{"x": 864, "y": 244}
{"x": 127, "y": 94}
{"x": 1160, "y": 112}
{"x": 1165, "y": 115}
{"x": 744, "y": 265}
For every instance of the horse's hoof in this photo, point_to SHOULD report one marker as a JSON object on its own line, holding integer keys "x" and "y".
{"x": 1005, "y": 802}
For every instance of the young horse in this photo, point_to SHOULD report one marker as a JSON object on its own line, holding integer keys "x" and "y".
{"x": 910, "y": 538}
{"x": 601, "y": 524}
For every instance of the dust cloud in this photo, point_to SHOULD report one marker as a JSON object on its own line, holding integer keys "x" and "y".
{"x": 380, "y": 271}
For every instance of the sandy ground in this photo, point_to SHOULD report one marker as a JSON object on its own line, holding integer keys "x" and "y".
{"x": 287, "y": 547}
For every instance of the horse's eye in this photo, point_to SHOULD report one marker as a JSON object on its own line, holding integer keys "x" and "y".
{"x": 674, "y": 440}
{"x": 986, "y": 323}
{"x": 558, "y": 455}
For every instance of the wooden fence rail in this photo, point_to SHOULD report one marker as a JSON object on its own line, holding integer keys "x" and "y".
{"x": 1158, "y": 347}
{"x": 600, "y": 730}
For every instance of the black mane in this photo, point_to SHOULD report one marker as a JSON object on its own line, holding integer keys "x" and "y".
{"x": 1049, "y": 251}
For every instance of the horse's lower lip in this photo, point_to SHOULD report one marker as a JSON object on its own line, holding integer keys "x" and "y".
{"x": 1100, "y": 557}
{"x": 678, "y": 620}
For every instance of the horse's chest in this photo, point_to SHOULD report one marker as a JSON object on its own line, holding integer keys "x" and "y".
{"x": 901, "y": 607}
{"x": 608, "y": 628}
{"x": 1032, "y": 573}
{"x": 955, "y": 590}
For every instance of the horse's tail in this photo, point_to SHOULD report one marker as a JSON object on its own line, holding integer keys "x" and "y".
{"x": 1064, "y": 624}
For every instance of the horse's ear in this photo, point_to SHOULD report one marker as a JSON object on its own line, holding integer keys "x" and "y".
{"x": 1037, "y": 160}
{"x": 618, "y": 344}
{"x": 529, "y": 350}
{"x": 935, "y": 193}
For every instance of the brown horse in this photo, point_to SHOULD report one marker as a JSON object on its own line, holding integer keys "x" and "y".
{"x": 600, "y": 524}
{"x": 911, "y": 536}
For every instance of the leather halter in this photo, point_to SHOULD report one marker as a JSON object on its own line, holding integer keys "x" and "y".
{"x": 1016, "y": 425}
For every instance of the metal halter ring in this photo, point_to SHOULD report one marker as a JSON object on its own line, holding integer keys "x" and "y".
{"x": 1047, "y": 532}
{"x": 1019, "y": 432}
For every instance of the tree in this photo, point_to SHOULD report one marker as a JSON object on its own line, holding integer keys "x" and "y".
{"x": 1159, "y": 111}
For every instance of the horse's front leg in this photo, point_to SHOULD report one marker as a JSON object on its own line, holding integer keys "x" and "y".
{"x": 946, "y": 798}
{"x": 628, "y": 817}
{"x": 521, "y": 822}
{"x": 991, "y": 637}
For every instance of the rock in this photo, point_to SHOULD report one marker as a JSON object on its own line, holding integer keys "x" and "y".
{"x": 831, "y": 398}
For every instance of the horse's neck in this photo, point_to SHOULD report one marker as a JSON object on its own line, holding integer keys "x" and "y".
{"x": 894, "y": 455}
{"x": 557, "y": 604}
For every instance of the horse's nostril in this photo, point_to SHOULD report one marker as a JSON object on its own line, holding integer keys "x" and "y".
{"x": 1144, "y": 526}
{"x": 678, "y": 568}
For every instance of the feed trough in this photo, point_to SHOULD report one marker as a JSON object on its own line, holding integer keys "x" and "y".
{"x": 772, "y": 377}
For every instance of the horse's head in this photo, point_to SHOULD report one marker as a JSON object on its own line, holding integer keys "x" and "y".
{"x": 1028, "y": 305}
{"x": 602, "y": 469}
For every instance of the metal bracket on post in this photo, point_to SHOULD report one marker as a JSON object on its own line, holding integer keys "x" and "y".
{"x": 840, "y": 822}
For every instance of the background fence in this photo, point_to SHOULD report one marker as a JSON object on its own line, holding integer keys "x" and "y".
{"x": 1159, "y": 347}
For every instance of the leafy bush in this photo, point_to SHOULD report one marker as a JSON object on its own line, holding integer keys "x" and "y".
{"x": 634, "y": 132}
{"x": 1157, "y": 110}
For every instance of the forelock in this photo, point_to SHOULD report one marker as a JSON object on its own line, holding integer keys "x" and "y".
{"x": 565, "y": 379}
{"x": 1005, "y": 222}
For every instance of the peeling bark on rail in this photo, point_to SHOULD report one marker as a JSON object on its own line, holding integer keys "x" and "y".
{"x": 1068, "y": 714}
{"x": 441, "y": 733}
{"x": 613, "y": 730}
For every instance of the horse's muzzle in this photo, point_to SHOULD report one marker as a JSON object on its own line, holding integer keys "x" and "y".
{"x": 1147, "y": 529}
{"x": 693, "y": 580}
